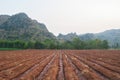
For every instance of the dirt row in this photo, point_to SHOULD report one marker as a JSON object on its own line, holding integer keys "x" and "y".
{"x": 60, "y": 65}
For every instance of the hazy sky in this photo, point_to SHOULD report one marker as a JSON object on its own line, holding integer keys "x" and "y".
{"x": 65, "y": 16}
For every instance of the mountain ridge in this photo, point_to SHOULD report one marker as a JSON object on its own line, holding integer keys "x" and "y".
{"x": 21, "y": 27}
{"x": 112, "y": 36}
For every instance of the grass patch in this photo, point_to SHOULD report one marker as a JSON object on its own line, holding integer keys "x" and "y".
{"x": 3, "y": 49}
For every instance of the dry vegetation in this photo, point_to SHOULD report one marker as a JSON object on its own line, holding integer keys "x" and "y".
{"x": 60, "y": 65}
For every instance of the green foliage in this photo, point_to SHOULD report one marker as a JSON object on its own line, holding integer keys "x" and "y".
{"x": 12, "y": 44}
{"x": 39, "y": 45}
{"x": 29, "y": 45}
{"x": 3, "y": 49}
{"x": 76, "y": 43}
{"x": 66, "y": 45}
{"x": 105, "y": 44}
{"x": 50, "y": 44}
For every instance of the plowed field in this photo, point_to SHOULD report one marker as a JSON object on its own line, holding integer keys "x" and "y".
{"x": 60, "y": 65}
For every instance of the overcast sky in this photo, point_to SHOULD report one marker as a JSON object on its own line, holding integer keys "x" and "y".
{"x": 65, "y": 16}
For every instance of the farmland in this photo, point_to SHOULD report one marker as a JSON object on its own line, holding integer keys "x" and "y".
{"x": 60, "y": 65}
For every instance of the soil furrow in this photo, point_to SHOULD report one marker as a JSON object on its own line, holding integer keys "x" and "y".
{"x": 89, "y": 72}
{"x": 103, "y": 71}
{"x": 34, "y": 70}
{"x": 70, "y": 74}
{"x": 17, "y": 70}
{"x": 46, "y": 68}
{"x": 61, "y": 74}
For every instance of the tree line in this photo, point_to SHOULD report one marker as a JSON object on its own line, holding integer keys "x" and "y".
{"x": 76, "y": 43}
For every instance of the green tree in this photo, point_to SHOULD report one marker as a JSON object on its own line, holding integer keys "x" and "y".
{"x": 50, "y": 44}
{"x": 105, "y": 44}
{"x": 39, "y": 45}
{"x": 30, "y": 45}
{"x": 78, "y": 44}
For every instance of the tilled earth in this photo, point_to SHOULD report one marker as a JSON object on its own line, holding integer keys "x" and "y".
{"x": 60, "y": 65}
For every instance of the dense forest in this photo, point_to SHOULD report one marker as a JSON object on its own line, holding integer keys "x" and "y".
{"x": 76, "y": 43}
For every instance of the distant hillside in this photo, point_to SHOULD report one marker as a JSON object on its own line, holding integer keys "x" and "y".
{"x": 21, "y": 27}
{"x": 112, "y": 36}
{"x": 4, "y": 18}
{"x": 69, "y": 36}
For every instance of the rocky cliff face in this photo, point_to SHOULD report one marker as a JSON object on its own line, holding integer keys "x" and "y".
{"x": 21, "y": 27}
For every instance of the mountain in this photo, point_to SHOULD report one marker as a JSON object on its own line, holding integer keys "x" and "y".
{"x": 112, "y": 36}
{"x": 4, "y": 18}
{"x": 21, "y": 27}
{"x": 69, "y": 36}
{"x": 87, "y": 36}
